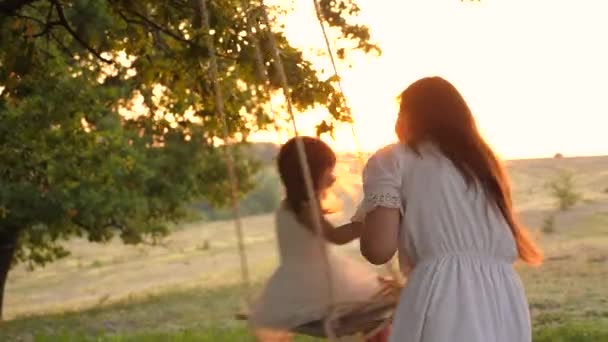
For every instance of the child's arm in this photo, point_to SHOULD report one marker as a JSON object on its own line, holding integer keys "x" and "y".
{"x": 338, "y": 235}
{"x": 344, "y": 234}
{"x": 350, "y": 231}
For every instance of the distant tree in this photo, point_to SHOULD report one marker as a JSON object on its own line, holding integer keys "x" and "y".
{"x": 564, "y": 190}
{"x": 548, "y": 226}
{"x": 72, "y": 165}
{"x": 558, "y": 156}
{"x": 264, "y": 197}
{"x": 264, "y": 152}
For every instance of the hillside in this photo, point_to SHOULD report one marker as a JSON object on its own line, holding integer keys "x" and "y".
{"x": 201, "y": 254}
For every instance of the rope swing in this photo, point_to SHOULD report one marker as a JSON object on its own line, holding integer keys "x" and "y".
{"x": 340, "y": 320}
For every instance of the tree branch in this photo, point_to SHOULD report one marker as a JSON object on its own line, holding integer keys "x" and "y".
{"x": 161, "y": 28}
{"x": 145, "y": 21}
{"x": 49, "y": 14}
{"x": 23, "y": 16}
{"x": 111, "y": 224}
{"x": 183, "y": 3}
{"x": 62, "y": 47}
{"x": 64, "y": 22}
{"x": 46, "y": 25}
{"x": 151, "y": 24}
{"x": 47, "y": 28}
{"x": 9, "y": 7}
{"x": 129, "y": 20}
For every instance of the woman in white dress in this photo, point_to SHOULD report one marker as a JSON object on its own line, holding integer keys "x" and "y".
{"x": 298, "y": 291}
{"x": 441, "y": 199}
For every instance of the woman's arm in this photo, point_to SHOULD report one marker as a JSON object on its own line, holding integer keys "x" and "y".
{"x": 380, "y": 235}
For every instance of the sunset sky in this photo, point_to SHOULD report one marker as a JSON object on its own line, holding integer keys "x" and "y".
{"x": 534, "y": 72}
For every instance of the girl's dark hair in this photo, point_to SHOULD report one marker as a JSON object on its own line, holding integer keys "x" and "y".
{"x": 320, "y": 157}
{"x": 433, "y": 110}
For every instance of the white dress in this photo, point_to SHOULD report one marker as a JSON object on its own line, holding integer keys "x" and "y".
{"x": 462, "y": 286}
{"x": 297, "y": 292}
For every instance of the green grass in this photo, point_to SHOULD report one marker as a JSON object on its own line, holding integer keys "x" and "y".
{"x": 191, "y": 315}
{"x": 572, "y": 332}
{"x": 210, "y": 335}
{"x": 568, "y": 295}
{"x": 197, "y": 309}
{"x": 565, "y": 333}
{"x": 207, "y": 315}
{"x": 569, "y": 332}
{"x": 571, "y": 285}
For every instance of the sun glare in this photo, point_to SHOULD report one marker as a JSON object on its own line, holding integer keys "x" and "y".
{"x": 533, "y": 72}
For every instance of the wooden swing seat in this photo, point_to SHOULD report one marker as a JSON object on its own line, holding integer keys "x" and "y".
{"x": 363, "y": 320}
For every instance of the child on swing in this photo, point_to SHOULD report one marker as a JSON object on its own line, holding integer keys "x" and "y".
{"x": 297, "y": 292}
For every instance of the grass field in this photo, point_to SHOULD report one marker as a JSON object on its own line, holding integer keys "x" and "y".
{"x": 187, "y": 288}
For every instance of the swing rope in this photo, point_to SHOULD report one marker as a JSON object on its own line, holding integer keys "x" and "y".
{"x": 333, "y": 310}
{"x": 261, "y": 71}
{"x": 321, "y": 19}
{"x": 330, "y": 52}
{"x": 219, "y": 109}
{"x": 305, "y": 168}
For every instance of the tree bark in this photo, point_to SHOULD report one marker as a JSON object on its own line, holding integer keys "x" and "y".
{"x": 8, "y": 242}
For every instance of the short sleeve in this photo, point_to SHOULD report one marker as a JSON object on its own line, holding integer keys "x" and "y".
{"x": 382, "y": 177}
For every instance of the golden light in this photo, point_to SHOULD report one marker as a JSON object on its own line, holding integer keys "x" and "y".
{"x": 533, "y": 72}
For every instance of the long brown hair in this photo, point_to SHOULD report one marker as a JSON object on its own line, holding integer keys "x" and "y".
{"x": 433, "y": 110}
{"x": 320, "y": 158}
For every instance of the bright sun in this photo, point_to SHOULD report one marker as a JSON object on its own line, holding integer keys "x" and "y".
{"x": 533, "y": 72}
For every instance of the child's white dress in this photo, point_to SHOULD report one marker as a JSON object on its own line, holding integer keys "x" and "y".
{"x": 462, "y": 287}
{"x": 297, "y": 292}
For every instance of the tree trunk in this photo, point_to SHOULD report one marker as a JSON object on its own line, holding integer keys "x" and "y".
{"x": 8, "y": 241}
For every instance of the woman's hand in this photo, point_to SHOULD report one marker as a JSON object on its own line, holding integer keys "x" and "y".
{"x": 390, "y": 287}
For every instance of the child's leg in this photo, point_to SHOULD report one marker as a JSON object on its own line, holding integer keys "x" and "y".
{"x": 381, "y": 336}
